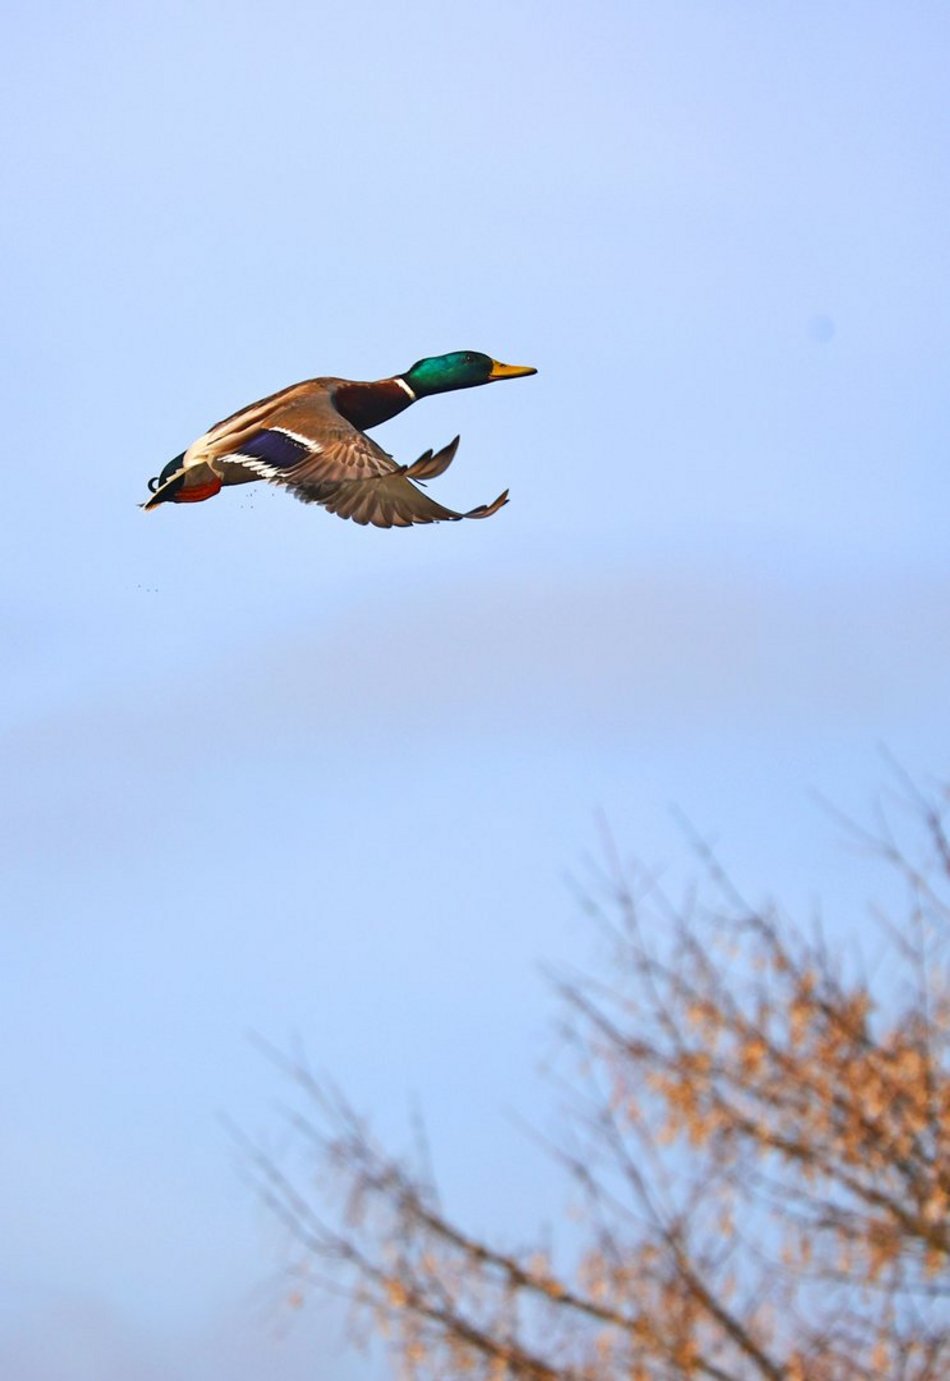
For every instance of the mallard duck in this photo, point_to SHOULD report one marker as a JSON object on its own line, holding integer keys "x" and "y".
{"x": 311, "y": 438}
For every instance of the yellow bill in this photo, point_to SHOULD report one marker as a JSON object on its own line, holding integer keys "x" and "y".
{"x": 509, "y": 371}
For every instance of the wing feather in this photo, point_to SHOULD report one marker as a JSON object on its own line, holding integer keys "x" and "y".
{"x": 392, "y": 501}
{"x": 429, "y": 466}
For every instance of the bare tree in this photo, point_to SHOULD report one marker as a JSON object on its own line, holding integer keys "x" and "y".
{"x": 757, "y": 1136}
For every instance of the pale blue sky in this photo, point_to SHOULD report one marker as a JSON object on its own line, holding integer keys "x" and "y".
{"x": 267, "y": 770}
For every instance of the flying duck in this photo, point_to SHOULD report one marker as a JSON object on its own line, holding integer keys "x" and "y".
{"x": 311, "y": 438}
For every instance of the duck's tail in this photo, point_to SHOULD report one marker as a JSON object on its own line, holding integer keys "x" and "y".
{"x": 174, "y": 489}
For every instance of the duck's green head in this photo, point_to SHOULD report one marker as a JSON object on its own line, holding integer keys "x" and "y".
{"x": 461, "y": 369}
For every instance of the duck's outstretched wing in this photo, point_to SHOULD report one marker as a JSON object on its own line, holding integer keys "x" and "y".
{"x": 391, "y": 501}
{"x": 311, "y": 450}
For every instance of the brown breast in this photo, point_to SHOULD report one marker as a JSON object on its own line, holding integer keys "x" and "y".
{"x": 367, "y": 405}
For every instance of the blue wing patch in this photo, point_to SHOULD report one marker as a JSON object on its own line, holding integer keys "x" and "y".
{"x": 275, "y": 448}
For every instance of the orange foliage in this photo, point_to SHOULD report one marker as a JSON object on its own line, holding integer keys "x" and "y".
{"x": 761, "y": 1145}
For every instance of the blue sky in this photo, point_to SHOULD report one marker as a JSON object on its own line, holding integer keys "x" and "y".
{"x": 266, "y": 770}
